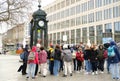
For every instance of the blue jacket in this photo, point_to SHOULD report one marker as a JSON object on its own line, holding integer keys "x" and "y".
{"x": 116, "y": 58}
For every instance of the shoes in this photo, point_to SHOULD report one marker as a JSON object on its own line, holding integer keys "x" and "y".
{"x": 102, "y": 72}
{"x": 44, "y": 76}
{"x": 33, "y": 77}
{"x": 96, "y": 72}
{"x": 64, "y": 75}
{"x": 70, "y": 74}
{"x": 27, "y": 77}
{"x": 93, "y": 73}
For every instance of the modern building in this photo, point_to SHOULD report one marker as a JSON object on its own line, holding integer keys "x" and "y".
{"x": 83, "y": 20}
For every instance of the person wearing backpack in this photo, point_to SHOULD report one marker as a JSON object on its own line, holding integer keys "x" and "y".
{"x": 32, "y": 61}
{"x": 67, "y": 58}
{"x": 114, "y": 58}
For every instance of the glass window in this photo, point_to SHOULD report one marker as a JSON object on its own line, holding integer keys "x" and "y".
{"x": 99, "y": 29}
{"x": 90, "y": 4}
{"x": 62, "y": 33}
{"x": 73, "y": 22}
{"x": 67, "y": 23}
{"x": 62, "y": 4}
{"x": 58, "y": 6}
{"x": 98, "y": 3}
{"x": 84, "y": 19}
{"x": 91, "y": 34}
{"x": 108, "y": 28}
{"x": 98, "y": 15}
{"x": 84, "y": 35}
{"x": 62, "y": 14}
{"x": 84, "y": 7}
{"x": 117, "y": 27}
{"x": 78, "y": 20}
{"x": 91, "y": 17}
{"x": 72, "y": 11}
{"x": 72, "y": 1}
{"x": 106, "y": 2}
{"x": 78, "y": 35}
{"x": 68, "y": 37}
{"x": 72, "y": 36}
{"x": 108, "y": 13}
{"x": 78, "y": 9}
{"x": 116, "y": 0}
{"x": 67, "y": 2}
{"x": 116, "y": 11}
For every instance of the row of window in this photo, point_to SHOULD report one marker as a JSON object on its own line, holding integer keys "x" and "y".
{"x": 84, "y": 6}
{"x": 70, "y": 12}
{"x": 87, "y": 32}
{"x": 92, "y": 17}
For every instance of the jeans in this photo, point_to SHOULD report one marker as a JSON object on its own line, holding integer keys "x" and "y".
{"x": 114, "y": 69}
{"x": 51, "y": 65}
{"x": 88, "y": 65}
{"x": 31, "y": 70}
{"x": 56, "y": 67}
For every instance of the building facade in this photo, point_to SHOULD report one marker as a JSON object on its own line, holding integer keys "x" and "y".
{"x": 13, "y": 37}
{"x": 83, "y": 20}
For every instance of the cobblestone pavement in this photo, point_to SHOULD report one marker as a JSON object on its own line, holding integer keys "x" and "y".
{"x": 10, "y": 63}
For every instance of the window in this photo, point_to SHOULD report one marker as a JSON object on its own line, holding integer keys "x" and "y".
{"x": 72, "y": 1}
{"x": 78, "y": 9}
{"x": 106, "y": 2}
{"x": 84, "y": 35}
{"x": 73, "y": 22}
{"x": 91, "y": 17}
{"x": 84, "y": 7}
{"x": 67, "y": 2}
{"x": 98, "y": 15}
{"x": 72, "y": 36}
{"x": 84, "y": 19}
{"x": 116, "y": 11}
{"x": 117, "y": 27}
{"x": 78, "y": 35}
{"x": 116, "y": 0}
{"x": 108, "y": 28}
{"x": 90, "y": 4}
{"x": 108, "y": 13}
{"x": 78, "y": 20}
{"x": 66, "y": 13}
{"x": 72, "y": 11}
{"x": 62, "y": 4}
{"x": 98, "y": 3}
{"x": 99, "y": 32}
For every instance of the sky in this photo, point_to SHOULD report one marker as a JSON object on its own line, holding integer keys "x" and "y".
{"x": 3, "y": 27}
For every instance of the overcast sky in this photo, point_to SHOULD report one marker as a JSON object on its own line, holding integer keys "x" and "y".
{"x": 3, "y": 27}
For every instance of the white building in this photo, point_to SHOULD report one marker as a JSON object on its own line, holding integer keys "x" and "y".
{"x": 0, "y": 43}
{"x": 82, "y": 20}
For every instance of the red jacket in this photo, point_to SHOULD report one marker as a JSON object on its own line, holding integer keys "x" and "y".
{"x": 35, "y": 61}
{"x": 79, "y": 56}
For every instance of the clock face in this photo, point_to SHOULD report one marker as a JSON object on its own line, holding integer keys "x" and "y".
{"x": 41, "y": 23}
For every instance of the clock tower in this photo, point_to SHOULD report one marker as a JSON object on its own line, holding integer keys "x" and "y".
{"x": 39, "y": 28}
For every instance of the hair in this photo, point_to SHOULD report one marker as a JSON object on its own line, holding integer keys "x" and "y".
{"x": 41, "y": 48}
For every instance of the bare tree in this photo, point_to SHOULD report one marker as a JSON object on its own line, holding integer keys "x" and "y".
{"x": 14, "y": 11}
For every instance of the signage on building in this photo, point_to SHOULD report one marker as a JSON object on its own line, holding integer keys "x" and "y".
{"x": 64, "y": 37}
{"x": 107, "y": 40}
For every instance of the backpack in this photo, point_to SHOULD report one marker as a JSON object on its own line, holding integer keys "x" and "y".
{"x": 31, "y": 56}
{"x": 111, "y": 52}
{"x": 22, "y": 56}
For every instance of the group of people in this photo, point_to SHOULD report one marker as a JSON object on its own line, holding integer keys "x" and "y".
{"x": 81, "y": 57}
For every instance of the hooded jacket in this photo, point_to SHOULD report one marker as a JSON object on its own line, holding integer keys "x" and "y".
{"x": 35, "y": 61}
{"x": 116, "y": 58}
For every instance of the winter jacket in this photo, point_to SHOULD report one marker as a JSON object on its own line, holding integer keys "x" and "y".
{"x": 116, "y": 58}
{"x": 87, "y": 54}
{"x": 42, "y": 56}
{"x": 67, "y": 55}
{"x": 57, "y": 55}
{"x": 79, "y": 56}
{"x": 35, "y": 61}
{"x": 93, "y": 55}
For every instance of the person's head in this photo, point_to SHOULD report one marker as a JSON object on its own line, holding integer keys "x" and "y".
{"x": 101, "y": 46}
{"x": 79, "y": 49}
{"x": 41, "y": 48}
{"x": 112, "y": 43}
{"x": 57, "y": 46}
